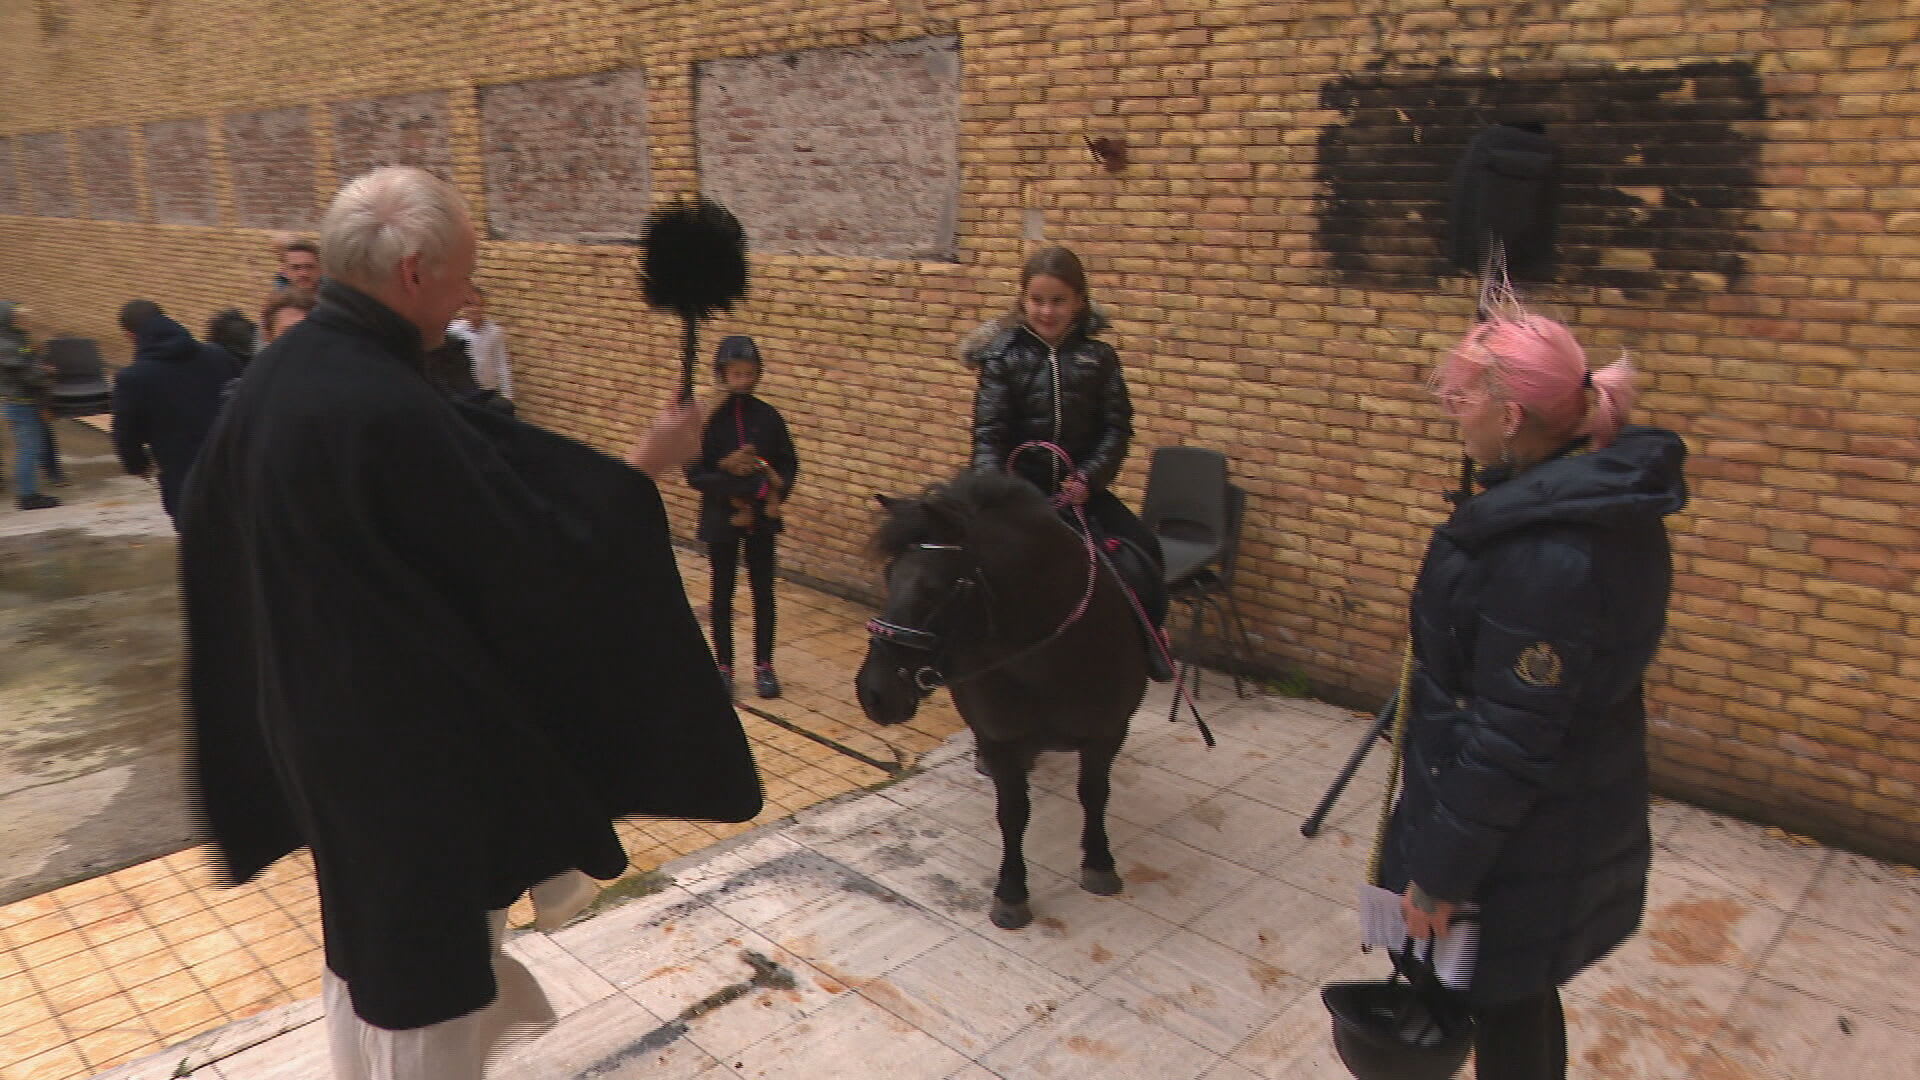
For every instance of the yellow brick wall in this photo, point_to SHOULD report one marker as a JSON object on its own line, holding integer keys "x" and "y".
{"x": 1790, "y": 685}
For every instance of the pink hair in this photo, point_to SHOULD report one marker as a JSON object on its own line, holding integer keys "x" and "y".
{"x": 1535, "y": 363}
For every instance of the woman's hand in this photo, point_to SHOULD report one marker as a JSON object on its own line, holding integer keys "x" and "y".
{"x": 674, "y": 439}
{"x": 1076, "y": 490}
{"x": 1426, "y": 916}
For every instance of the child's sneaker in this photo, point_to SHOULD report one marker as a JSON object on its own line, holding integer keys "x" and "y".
{"x": 726, "y": 677}
{"x": 765, "y": 683}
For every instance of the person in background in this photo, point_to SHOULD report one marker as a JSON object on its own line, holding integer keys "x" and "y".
{"x": 234, "y": 332}
{"x": 486, "y": 344}
{"x": 279, "y": 242}
{"x": 300, "y": 265}
{"x": 24, "y": 378}
{"x": 744, "y": 474}
{"x": 165, "y": 402}
{"x": 1537, "y": 608}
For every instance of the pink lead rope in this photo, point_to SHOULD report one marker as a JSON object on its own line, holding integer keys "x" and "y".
{"x": 1060, "y": 501}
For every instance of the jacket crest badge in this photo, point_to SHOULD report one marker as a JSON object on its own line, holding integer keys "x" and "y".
{"x": 1539, "y": 665}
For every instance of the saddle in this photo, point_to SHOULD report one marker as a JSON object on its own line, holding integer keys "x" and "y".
{"x": 1142, "y": 575}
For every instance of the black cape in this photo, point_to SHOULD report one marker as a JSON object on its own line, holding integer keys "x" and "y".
{"x": 440, "y": 647}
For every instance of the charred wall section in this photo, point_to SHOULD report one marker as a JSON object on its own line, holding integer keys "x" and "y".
{"x": 1656, "y": 174}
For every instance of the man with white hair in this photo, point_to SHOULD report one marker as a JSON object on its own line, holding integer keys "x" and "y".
{"x": 440, "y": 647}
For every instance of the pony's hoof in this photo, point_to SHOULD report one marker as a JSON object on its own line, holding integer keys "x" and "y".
{"x": 1011, "y": 916}
{"x": 1100, "y": 882}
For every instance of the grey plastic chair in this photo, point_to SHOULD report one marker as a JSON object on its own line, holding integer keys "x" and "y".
{"x": 1196, "y": 513}
{"x": 79, "y": 378}
{"x": 1186, "y": 507}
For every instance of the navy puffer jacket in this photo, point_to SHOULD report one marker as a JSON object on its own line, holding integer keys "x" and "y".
{"x": 1537, "y": 610}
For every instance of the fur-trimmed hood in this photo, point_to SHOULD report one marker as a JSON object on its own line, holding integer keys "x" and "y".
{"x": 994, "y": 335}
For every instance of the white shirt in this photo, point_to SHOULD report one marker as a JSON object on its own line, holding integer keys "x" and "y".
{"x": 487, "y": 343}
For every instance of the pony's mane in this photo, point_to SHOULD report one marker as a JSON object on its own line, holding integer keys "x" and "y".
{"x": 931, "y": 517}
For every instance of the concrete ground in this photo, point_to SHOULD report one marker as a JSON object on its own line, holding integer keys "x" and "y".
{"x": 851, "y": 941}
{"x": 89, "y": 676}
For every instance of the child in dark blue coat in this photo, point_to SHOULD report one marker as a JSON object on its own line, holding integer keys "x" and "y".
{"x": 744, "y": 474}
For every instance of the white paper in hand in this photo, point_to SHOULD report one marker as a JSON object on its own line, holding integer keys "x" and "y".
{"x": 1382, "y": 925}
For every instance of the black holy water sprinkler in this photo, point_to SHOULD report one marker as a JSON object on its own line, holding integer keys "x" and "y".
{"x": 695, "y": 263}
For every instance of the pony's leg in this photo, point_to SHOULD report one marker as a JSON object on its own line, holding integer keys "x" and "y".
{"x": 1007, "y": 765}
{"x": 1096, "y": 858}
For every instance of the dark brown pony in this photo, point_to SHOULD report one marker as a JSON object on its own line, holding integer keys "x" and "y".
{"x": 992, "y": 595}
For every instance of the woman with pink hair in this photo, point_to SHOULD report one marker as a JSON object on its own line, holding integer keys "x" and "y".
{"x": 1539, "y": 605}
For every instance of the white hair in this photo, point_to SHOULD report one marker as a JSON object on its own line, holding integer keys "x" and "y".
{"x": 384, "y": 216}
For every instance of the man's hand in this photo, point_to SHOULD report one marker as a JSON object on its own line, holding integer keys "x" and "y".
{"x": 672, "y": 440}
{"x": 1076, "y": 490}
{"x": 1426, "y": 916}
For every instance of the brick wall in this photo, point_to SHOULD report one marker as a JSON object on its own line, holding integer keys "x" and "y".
{"x": 1743, "y": 214}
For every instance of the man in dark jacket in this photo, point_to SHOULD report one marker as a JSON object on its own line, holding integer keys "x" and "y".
{"x": 442, "y": 648}
{"x": 165, "y": 402}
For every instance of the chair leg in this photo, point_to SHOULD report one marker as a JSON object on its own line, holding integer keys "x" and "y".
{"x": 1198, "y": 635}
{"x": 1212, "y": 597}
{"x": 1244, "y": 640}
{"x": 1180, "y": 673}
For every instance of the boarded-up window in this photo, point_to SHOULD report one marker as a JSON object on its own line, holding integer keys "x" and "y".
{"x": 10, "y": 200}
{"x": 271, "y": 157}
{"x": 106, "y": 168}
{"x": 837, "y": 151}
{"x": 43, "y": 164}
{"x": 566, "y": 158}
{"x": 179, "y": 174}
{"x": 402, "y": 129}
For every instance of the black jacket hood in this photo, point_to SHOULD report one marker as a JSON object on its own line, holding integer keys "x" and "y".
{"x": 1638, "y": 475}
{"x": 160, "y": 338}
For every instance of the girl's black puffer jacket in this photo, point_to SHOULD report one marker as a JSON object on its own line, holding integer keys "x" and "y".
{"x": 1074, "y": 396}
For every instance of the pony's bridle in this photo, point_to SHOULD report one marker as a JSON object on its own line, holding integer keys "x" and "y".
{"x": 928, "y": 677}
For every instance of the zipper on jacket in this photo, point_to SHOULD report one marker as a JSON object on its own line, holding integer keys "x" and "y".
{"x": 1053, "y": 366}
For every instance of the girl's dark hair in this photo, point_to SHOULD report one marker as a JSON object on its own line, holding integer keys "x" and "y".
{"x": 734, "y": 349}
{"x": 1056, "y": 262}
{"x": 232, "y": 331}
